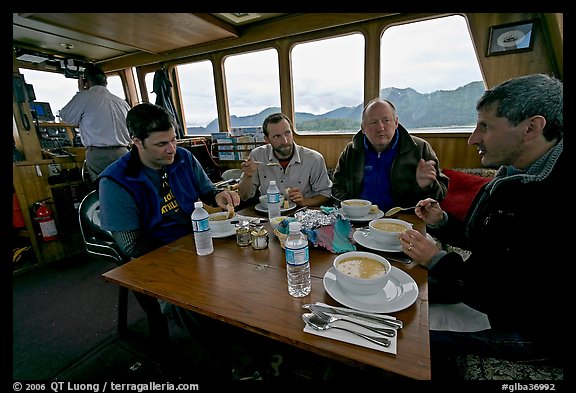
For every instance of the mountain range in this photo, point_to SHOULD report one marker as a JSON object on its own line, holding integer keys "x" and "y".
{"x": 442, "y": 108}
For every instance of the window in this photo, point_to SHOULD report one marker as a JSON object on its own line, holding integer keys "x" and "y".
{"x": 429, "y": 70}
{"x": 328, "y": 82}
{"x": 198, "y": 97}
{"x": 149, "y": 80}
{"x": 57, "y": 90}
{"x": 115, "y": 86}
{"x": 253, "y": 85}
{"x": 51, "y": 87}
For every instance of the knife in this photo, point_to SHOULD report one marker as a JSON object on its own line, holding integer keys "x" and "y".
{"x": 394, "y": 323}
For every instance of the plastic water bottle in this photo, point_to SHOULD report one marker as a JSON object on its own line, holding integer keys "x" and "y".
{"x": 201, "y": 228}
{"x": 273, "y": 197}
{"x": 297, "y": 261}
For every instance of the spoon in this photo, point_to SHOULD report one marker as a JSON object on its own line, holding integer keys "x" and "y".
{"x": 338, "y": 200}
{"x": 397, "y": 209}
{"x": 318, "y": 324}
{"x": 268, "y": 163}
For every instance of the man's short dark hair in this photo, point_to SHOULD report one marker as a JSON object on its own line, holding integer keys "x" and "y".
{"x": 146, "y": 118}
{"x": 275, "y": 118}
{"x": 94, "y": 75}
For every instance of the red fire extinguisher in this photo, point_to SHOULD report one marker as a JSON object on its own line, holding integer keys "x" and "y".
{"x": 45, "y": 219}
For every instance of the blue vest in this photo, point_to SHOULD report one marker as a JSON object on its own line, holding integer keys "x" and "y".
{"x": 187, "y": 180}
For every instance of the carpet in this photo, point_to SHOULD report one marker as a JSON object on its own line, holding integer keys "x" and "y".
{"x": 61, "y": 312}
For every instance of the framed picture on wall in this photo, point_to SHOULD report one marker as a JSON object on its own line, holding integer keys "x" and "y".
{"x": 511, "y": 38}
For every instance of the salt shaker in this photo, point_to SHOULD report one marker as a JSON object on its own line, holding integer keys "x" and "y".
{"x": 259, "y": 238}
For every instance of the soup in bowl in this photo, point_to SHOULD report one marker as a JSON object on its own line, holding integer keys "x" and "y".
{"x": 361, "y": 273}
{"x": 356, "y": 208}
{"x": 220, "y": 223}
{"x": 386, "y": 230}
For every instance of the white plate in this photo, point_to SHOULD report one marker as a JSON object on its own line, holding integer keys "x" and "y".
{"x": 364, "y": 239}
{"x": 399, "y": 293}
{"x": 263, "y": 209}
{"x": 218, "y": 235}
{"x": 367, "y": 217}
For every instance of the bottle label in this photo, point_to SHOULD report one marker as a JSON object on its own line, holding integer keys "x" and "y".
{"x": 200, "y": 225}
{"x": 273, "y": 198}
{"x": 297, "y": 256}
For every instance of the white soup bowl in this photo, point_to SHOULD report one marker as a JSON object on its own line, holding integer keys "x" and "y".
{"x": 361, "y": 273}
{"x": 356, "y": 208}
{"x": 220, "y": 223}
{"x": 264, "y": 201}
{"x": 387, "y": 230}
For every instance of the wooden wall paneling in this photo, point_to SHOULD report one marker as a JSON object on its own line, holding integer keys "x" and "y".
{"x": 454, "y": 151}
{"x": 497, "y": 69}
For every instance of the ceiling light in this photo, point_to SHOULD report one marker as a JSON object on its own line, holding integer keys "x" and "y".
{"x": 32, "y": 58}
{"x": 67, "y": 46}
{"x": 239, "y": 17}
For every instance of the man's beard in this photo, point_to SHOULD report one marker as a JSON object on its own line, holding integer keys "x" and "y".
{"x": 283, "y": 151}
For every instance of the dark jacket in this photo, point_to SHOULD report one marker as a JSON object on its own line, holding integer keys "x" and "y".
{"x": 518, "y": 263}
{"x": 349, "y": 172}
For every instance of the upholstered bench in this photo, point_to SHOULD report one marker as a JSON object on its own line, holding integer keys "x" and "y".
{"x": 463, "y": 186}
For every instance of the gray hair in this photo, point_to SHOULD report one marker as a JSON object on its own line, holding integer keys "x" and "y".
{"x": 533, "y": 95}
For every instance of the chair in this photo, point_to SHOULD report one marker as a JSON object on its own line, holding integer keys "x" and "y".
{"x": 85, "y": 175}
{"x": 100, "y": 242}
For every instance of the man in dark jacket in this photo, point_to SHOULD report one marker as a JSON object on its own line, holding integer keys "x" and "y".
{"x": 385, "y": 164}
{"x": 514, "y": 273}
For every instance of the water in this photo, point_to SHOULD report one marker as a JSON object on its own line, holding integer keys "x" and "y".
{"x": 201, "y": 228}
{"x": 297, "y": 262}
{"x": 273, "y": 196}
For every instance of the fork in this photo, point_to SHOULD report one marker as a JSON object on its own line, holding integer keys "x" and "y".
{"x": 330, "y": 319}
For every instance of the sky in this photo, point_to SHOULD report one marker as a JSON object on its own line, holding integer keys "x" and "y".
{"x": 426, "y": 56}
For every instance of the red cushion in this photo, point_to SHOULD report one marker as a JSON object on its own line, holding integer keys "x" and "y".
{"x": 462, "y": 189}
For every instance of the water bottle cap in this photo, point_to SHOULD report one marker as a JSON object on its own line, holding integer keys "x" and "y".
{"x": 294, "y": 226}
{"x": 198, "y": 204}
{"x": 272, "y": 182}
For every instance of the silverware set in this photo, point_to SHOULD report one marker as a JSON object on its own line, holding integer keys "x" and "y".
{"x": 319, "y": 319}
{"x": 318, "y": 323}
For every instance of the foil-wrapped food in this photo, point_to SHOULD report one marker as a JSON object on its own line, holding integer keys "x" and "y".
{"x": 312, "y": 219}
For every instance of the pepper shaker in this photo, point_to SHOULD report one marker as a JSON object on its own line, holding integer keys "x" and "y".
{"x": 243, "y": 233}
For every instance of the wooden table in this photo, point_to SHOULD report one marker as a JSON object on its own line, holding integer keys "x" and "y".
{"x": 247, "y": 288}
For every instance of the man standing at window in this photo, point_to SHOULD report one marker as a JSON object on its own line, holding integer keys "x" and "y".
{"x": 101, "y": 117}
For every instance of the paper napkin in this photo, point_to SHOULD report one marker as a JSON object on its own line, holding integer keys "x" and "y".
{"x": 457, "y": 317}
{"x": 342, "y": 335}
